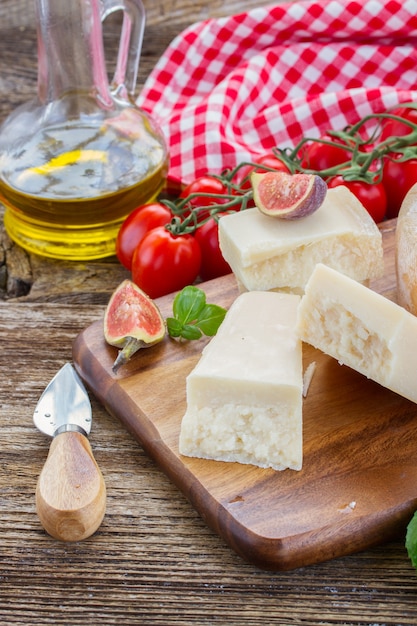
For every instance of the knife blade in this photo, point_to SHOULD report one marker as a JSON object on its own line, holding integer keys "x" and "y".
{"x": 70, "y": 492}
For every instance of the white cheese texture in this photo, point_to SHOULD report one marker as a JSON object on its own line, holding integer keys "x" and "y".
{"x": 267, "y": 253}
{"x": 406, "y": 252}
{"x": 360, "y": 328}
{"x": 244, "y": 396}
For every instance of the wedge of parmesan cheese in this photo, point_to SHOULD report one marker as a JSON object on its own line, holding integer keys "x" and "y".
{"x": 244, "y": 396}
{"x": 267, "y": 253}
{"x": 360, "y": 328}
{"x": 406, "y": 252}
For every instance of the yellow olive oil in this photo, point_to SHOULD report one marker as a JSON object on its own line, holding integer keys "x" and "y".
{"x": 68, "y": 188}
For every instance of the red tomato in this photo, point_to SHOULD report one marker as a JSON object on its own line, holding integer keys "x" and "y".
{"x": 204, "y": 184}
{"x": 398, "y": 178}
{"x": 271, "y": 160}
{"x": 320, "y": 156}
{"x": 213, "y": 264}
{"x": 395, "y": 128}
{"x": 372, "y": 196}
{"x": 135, "y": 227}
{"x": 163, "y": 262}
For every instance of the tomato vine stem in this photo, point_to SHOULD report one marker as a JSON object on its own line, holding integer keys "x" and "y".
{"x": 361, "y": 141}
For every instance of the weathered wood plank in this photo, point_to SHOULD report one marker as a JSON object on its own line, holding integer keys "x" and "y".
{"x": 153, "y": 561}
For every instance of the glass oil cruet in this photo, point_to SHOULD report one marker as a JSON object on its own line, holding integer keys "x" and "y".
{"x": 80, "y": 156}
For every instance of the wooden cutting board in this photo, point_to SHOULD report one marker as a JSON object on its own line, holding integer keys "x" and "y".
{"x": 358, "y": 485}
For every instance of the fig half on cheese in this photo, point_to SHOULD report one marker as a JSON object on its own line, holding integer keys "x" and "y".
{"x": 288, "y": 196}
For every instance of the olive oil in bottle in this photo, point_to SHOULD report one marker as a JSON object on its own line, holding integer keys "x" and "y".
{"x": 78, "y": 158}
{"x": 70, "y": 203}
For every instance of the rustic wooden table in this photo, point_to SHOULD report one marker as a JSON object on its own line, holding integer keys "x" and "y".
{"x": 153, "y": 560}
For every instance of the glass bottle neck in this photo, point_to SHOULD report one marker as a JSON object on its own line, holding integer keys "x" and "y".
{"x": 70, "y": 50}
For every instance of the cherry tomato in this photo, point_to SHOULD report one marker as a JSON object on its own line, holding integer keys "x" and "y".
{"x": 320, "y": 156}
{"x": 271, "y": 160}
{"x": 213, "y": 264}
{"x": 395, "y": 128}
{"x": 204, "y": 184}
{"x": 372, "y": 196}
{"x": 398, "y": 178}
{"x": 163, "y": 262}
{"x": 135, "y": 227}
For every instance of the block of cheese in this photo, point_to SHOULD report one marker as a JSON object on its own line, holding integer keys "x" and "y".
{"x": 360, "y": 328}
{"x": 244, "y": 396}
{"x": 267, "y": 253}
{"x": 406, "y": 252}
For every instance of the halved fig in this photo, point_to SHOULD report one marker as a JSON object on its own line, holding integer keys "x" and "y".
{"x": 132, "y": 321}
{"x": 288, "y": 196}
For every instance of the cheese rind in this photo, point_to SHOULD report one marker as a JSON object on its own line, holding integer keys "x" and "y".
{"x": 267, "y": 253}
{"x": 244, "y": 396}
{"x": 360, "y": 328}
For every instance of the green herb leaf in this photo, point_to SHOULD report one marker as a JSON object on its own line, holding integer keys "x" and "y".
{"x": 188, "y": 303}
{"x": 411, "y": 540}
{"x": 193, "y": 317}
{"x": 191, "y": 332}
{"x": 210, "y": 319}
{"x": 174, "y": 327}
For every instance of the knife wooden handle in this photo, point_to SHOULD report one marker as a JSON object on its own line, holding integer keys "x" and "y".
{"x": 71, "y": 493}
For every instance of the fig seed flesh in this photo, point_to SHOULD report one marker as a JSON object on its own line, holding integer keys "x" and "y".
{"x": 132, "y": 321}
{"x": 288, "y": 196}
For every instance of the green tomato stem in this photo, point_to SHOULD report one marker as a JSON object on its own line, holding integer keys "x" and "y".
{"x": 366, "y": 161}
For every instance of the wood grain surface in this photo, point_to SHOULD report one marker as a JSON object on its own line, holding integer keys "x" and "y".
{"x": 154, "y": 561}
{"x": 358, "y": 484}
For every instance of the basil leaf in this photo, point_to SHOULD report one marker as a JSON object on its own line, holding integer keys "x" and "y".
{"x": 191, "y": 332}
{"x": 192, "y": 316}
{"x": 411, "y": 540}
{"x": 188, "y": 304}
{"x": 210, "y": 319}
{"x": 174, "y": 327}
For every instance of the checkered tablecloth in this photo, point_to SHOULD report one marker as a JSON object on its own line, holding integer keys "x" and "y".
{"x": 229, "y": 89}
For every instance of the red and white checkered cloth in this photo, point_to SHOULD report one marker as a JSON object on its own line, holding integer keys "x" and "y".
{"x": 229, "y": 89}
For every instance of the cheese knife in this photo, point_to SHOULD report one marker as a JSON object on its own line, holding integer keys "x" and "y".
{"x": 70, "y": 492}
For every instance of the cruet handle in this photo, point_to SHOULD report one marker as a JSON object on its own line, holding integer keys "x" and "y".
{"x": 130, "y": 45}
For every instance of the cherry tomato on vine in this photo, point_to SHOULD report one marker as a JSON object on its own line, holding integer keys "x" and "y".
{"x": 213, "y": 263}
{"x": 163, "y": 262}
{"x": 395, "y": 128}
{"x": 398, "y": 178}
{"x": 140, "y": 221}
{"x": 271, "y": 160}
{"x": 204, "y": 184}
{"x": 320, "y": 156}
{"x": 372, "y": 196}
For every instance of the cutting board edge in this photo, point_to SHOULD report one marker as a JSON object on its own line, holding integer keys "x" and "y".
{"x": 93, "y": 361}
{"x": 261, "y": 550}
